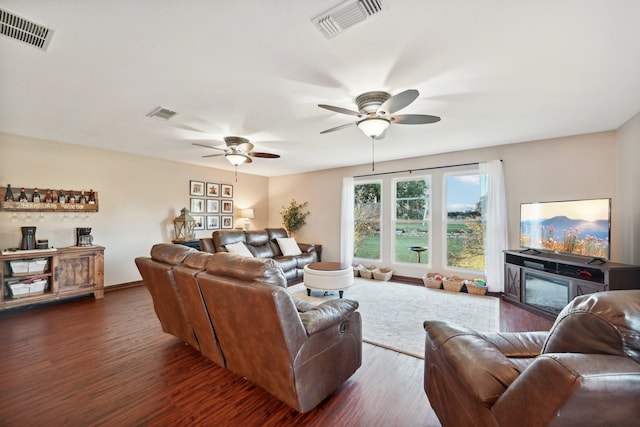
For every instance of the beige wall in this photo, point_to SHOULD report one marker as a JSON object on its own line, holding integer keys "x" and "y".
{"x": 573, "y": 167}
{"x": 139, "y": 197}
{"x": 628, "y": 177}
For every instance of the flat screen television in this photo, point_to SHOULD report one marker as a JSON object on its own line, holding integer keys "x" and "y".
{"x": 577, "y": 227}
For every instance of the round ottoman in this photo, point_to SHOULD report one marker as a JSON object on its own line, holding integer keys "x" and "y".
{"x": 328, "y": 276}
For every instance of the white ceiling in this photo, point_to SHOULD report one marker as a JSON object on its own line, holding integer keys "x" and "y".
{"x": 496, "y": 71}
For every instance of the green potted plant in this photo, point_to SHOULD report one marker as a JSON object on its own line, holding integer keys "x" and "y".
{"x": 293, "y": 216}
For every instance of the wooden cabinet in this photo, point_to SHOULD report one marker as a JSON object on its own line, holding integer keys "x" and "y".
{"x": 545, "y": 282}
{"x": 38, "y": 276}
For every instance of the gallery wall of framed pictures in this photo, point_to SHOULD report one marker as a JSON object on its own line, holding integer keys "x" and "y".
{"x": 211, "y": 205}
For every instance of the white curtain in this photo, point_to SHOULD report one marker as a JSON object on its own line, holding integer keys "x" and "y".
{"x": 495, "y": 238}
{"x": 347, "y": 227}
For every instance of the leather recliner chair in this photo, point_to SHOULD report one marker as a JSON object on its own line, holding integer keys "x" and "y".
{"x": 298, "y": 352}
{"x": 157, "y": 274}
{"x": 584, "y": 371}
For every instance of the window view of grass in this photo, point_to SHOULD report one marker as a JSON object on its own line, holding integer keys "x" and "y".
{"x": 366, "y": 214}
{"x": 465, "y": 207}
{"x": 465, "y": 246}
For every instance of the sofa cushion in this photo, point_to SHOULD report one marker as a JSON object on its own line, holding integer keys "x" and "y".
{"x": 220, "y": 239}
{"x": 258, "y": 243}
{"x": 288, "y": 246}
{"x": 238, "y": 248}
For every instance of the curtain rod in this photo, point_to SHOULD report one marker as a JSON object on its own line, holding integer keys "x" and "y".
{"x": 416, "y": 170}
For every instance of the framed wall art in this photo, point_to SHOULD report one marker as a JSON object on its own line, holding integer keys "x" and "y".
{"x": 199, "y": 225}
{"x": 227, "y": 221}
{"x": 213, "y": 222}
{"x": 196, "y": 188}
{"x": 227, "y": 206}
{"x": 197, "y": 206}
{"x": 213, "y": 206}
{"x": 213, "y": 189}
{"x": 226, "y": 190}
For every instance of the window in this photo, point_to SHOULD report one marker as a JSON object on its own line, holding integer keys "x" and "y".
{"x": 367, "y": 215}
{"x": 464, "y": 221}
{"x": 412, "y": 220}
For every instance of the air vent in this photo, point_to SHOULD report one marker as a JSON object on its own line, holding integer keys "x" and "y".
{"x": 345, "y": 15}
{"x": 18, "y": 28}
{"x": 162, "y": 113}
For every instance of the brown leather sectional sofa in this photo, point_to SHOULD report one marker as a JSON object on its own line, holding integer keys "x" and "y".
{"x": 584, "y": 371}
{"x": 263, "y": 244}
{"x": 237, "y": 312}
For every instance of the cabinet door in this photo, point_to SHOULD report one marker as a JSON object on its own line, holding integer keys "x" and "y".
{"x": 584, "y": 288}
{"x": 512, "y": 282}
{"x": 76, "y": 271}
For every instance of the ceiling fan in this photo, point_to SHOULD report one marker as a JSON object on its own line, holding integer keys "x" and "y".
{"x": 237, "y": 151}
{"x": 376, "y": 113}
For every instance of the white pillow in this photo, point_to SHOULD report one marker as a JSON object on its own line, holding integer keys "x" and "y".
{"x": 238, "y": 248}
{"x": 288, "y": 246}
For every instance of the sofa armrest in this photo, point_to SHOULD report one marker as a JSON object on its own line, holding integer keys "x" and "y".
{"x": 517, "y": 344}
{"x": 478, "y": 366}
{"x": 581, "y": 389}
{"x": 306, "y": 247}
{"x": 327, "y": 314}
{"x": 303, "y": 306}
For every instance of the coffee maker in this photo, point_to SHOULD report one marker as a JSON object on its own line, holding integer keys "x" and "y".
{"x": 28, "y": 238}
{"x": 83, "y": 236}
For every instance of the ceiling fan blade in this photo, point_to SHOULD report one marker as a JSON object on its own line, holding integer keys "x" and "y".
{"x": 339, "y": 110}
{"x": 398, "y": 101}
{"x": 207, "y": 146}
{"x": 338, "y": 128}
{"x": 264, "y": 155}
{"x": 414, "y": 119}
{"x": 212, "y": 155}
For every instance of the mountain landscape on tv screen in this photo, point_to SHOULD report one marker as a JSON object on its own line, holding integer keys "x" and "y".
{"x": 598, "y": 229}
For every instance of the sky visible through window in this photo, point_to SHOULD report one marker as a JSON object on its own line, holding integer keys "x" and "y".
{"x": 463, "y": 192}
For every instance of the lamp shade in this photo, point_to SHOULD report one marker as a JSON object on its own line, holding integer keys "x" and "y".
{"x": 236, "y": 159}
{"x": 184, "y": 226}
{"x": 373, "y": 127}
{"x": 246, "y": 213}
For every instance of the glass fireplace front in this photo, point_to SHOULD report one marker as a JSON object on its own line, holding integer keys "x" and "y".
{"x": 547, "y": 293}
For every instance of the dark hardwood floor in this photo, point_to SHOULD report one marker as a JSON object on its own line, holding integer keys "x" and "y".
{"x": 107, "y": 363}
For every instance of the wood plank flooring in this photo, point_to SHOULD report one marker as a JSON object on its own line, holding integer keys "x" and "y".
{"x": 107, "y": 363}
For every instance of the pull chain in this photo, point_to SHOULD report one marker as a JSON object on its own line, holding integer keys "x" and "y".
{"x": 373, "y": 154}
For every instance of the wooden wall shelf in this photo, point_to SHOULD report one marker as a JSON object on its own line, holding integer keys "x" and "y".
{"x": 17, "y": 206}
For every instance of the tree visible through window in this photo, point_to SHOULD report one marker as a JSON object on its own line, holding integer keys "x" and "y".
{"x": 464, "y": 221}
{"x": 412, "y": 220}
{"x": 367, "y": 220}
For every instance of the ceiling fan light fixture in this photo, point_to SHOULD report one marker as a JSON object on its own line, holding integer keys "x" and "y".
{"x": 236, "y": 159}
{"x": 373, "y": 127}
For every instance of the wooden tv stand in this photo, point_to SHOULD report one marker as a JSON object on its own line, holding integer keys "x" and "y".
{"x": 582, "y": 274}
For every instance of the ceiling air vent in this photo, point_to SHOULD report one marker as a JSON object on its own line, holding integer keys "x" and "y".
{"x": 18, "y": 28}
{"x": 345, "y": 15}
{"x": 162, "y": 113}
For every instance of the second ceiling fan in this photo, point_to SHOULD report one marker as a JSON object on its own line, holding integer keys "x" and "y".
{"x": 237, "y": 151}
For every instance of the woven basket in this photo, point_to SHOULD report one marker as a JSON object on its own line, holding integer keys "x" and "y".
{"x": 476, "y": 289}
{"x": 382, "y": 274}
{"x": 430, "y": 282}
{"x": 452, "y": 284}
{"x": 365, "y": 273}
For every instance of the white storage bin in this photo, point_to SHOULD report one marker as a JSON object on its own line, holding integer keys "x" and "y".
{"x": 28, "y": 288}
{"x": 22, "y": 267}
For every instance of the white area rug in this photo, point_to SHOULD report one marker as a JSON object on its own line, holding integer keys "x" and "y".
{"x": 393, "y": 313}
